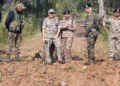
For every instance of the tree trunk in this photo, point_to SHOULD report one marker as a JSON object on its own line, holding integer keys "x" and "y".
{"x": 102, "y": 11}
{"x": 1, "y": 3}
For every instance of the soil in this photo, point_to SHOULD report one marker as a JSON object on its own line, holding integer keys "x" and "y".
{"x": 36, "y": 73}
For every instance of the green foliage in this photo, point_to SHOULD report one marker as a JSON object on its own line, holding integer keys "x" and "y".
{"x": 36, "y": 10}
{"x": 3, "y": 34}
{"x": 103, "y": 33}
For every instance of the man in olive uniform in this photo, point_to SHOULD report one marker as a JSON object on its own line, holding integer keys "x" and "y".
{"x": 14, "y": 24}
{"x": 92, "y": 29}
{"x": 68, "y": 26}
{"x": 114, "y": 35}
{"x": 51, "y": 34}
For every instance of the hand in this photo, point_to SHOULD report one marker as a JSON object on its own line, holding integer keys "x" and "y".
{"x": 43, "y": 38}
{"x": 56, "y": 36}
{"x": 65, "y": 27}
{"x": 83, "y": 38}
{"x": 107, "y": 32}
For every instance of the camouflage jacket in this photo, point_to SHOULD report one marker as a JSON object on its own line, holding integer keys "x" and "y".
{"x": 114, "y": 26}
{"x": 71, "y": 27}
{"x": 92, "y": 23}
{"x": 51, "y": 26}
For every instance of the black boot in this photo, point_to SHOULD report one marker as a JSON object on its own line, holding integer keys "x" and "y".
{"x": 94, "y": 60}
{"x": 88, "y": 63}
{"x": 61, "y": 61}
{"x": 116, "y": 57}
{"x": 17, "y": 58}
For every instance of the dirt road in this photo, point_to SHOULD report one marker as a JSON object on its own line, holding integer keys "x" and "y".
{"x": 31, "y": 73}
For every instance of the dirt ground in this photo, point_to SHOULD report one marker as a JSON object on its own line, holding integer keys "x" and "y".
{"x": 32, "y": 73}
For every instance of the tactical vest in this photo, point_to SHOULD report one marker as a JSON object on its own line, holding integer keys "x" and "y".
{"x": 16, "y": 24}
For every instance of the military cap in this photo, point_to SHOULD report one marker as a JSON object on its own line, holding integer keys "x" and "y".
{"x": 66, "y": 12}
{"x": 116, "y": 10}
{"x": 51, "y": 11}
{"x": 88, "y": 5}
{"x": 20, "y": 6}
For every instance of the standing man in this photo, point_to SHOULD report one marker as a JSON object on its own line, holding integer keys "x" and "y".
{"x": 114, "y": 35}
{"x": 92, "y": 29}
{"x": 68, "y": 26}
{"x": 51, "y": 34}
{"x": 14, "y": 24}
{"x": 53, "y": 52}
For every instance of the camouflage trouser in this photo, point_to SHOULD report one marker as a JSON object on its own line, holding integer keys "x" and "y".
{"x": 66, "y": 47}
{"x": 53, "y": 52}
{"x": 114, "y": 46}
{"x": 91, "y": 40}
{"x": 14, "y": 40}
{"x": 47, "y": 46}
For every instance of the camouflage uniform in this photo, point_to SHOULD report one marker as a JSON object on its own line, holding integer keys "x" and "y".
{"x": 51, "y": 27}
{"x": 67, "y": 37}
{"x": 14, "y": 34}
{"x": 91, "y": 27}
{"x": 114, "y": 36}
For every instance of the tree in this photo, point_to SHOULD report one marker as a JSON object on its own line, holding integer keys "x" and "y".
{"x": 102, "y": 11}
{"x": 1, "y": 3}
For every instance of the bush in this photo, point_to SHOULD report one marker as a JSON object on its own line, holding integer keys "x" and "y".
{"x": 103, "y": 33}
{"x": 3, "y": 35}
{"x": 30, "y": 28}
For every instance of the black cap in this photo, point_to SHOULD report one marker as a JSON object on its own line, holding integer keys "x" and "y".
{"x": 88, "y": 5}
{"x": 116, "y": 10}
{"x": 66, "y": 12}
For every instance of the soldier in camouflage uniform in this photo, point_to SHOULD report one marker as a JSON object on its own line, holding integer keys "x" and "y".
{"x": 14, "y": 24}
{"x": 51, "y": 34}
{"x": 91, "y": 28}
{"x": 53, "y": 52}
{"x": 114, "y": 35}
{"x": 68, "y": 26}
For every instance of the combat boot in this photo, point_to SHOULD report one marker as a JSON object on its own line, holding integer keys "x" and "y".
{"x": 61, "y": 61}
{"x": 88, "y": 63}
{"x": 17, "y": 58}
{"x": 8, "y": 59}
{"x": 49, "y": 61}
{"x": 94, "y": 60}
{"x": 116, "y": 58}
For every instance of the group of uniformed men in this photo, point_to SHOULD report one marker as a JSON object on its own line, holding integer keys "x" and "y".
{"x": 93, "y": 21}
{"x": 61, "y": 33}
